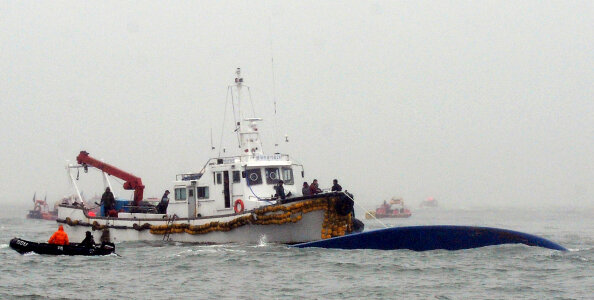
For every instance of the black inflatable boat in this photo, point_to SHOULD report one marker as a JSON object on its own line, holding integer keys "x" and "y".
{"x": 22, "y": 247}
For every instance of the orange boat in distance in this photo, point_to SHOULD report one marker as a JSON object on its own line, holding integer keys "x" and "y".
{"x": 41, "y": 210}
{"x": 393, "y": 209}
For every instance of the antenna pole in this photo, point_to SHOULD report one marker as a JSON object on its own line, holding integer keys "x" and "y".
{"x": 239, "y": 120}
{"x": 211, "y": 144}
{"x": 273, "y": 81}
{"x": 229, "y": 91}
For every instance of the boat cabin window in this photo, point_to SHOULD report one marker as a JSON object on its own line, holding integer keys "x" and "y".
{"x": 272, "y": 175}
{"x": 180, "y": 194}
{"x": 254, "y": 176}
{"x": 202, "y": 192}
{"x": 288, "y": 176}
{"x": 236, "y": 177}
{"x": 219, "y": 178}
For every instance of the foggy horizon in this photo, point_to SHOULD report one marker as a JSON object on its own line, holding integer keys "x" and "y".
{"x": 474, "y": 104}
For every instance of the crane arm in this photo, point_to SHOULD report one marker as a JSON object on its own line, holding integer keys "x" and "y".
{"x": 132, "y": 182}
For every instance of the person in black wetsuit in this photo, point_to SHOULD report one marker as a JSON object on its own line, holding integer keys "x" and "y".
{"x": 88, "y": 241}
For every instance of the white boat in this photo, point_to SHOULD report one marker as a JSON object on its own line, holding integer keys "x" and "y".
{"x": 230, "y": 199}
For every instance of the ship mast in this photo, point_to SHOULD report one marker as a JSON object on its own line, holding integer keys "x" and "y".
{"x": 247, "y": 128}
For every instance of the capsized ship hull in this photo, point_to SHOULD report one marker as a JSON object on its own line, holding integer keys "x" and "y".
{"x": 433, "y": 237}
{"x": 298, "y": 220}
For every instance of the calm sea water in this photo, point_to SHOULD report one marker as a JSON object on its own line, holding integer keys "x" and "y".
{"x": 269, "y": 271}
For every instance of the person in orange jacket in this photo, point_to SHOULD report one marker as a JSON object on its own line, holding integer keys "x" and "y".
{"x": 59, "y": 237}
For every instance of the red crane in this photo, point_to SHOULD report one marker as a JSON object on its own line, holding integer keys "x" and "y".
{"x": 132, "y": 182}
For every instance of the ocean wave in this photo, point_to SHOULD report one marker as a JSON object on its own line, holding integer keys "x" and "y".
{"x": 263, "y": 242}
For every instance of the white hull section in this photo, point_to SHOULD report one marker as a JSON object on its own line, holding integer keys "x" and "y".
{"x": 307, "y": 228}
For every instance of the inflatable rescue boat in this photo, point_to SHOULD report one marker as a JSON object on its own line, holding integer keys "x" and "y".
{"x": 22, "y": 246}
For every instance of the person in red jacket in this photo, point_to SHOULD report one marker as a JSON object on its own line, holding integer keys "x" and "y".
{"x": 313, "y": 187}
{"x": 59, "y": 237}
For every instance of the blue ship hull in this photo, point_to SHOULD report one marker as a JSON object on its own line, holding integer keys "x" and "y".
{"x": 423, "y": 238}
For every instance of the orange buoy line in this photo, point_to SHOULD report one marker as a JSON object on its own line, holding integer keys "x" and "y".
{"x": 333, "y": 225}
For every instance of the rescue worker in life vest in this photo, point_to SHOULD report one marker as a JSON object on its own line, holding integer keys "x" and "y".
{"x": 59, "y": 237}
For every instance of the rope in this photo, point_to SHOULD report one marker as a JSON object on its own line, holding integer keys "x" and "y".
{"x": 247, "y": 180}
{"x": 385, "y": 226}
{"x": 118, "y": 180}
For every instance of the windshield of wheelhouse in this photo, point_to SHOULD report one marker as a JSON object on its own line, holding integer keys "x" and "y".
{"x": 287, "y": 175}
{"x": 253, "y": 176}
{"x": 275, "y": 174}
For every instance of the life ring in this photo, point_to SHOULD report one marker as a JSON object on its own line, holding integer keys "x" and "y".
{"x": 238, "y": 207}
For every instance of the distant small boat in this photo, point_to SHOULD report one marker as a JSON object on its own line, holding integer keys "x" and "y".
{"x": 393, "y": 209}
{"x": 41, "y": 210}
{"x": 430, "y": 202}
{"x": 22, "y": 246}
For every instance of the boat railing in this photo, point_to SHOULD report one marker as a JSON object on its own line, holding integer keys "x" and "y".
{"x": 211, "y": 161}
{"x": 145, "y": 209}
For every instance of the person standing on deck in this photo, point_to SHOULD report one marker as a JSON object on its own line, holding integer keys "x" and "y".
{"x": 108, "y": 201}
{"x": 162, "y": 206}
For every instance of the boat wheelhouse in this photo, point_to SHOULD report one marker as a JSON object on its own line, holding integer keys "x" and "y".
{"x": 232, "y": 184}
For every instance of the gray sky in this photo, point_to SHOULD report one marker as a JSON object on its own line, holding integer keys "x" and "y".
{"x": 476, "y": 103}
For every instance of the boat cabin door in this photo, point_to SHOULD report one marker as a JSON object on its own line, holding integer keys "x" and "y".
{"x": 191, "y": 202}
{"x": 226, "y": 189}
